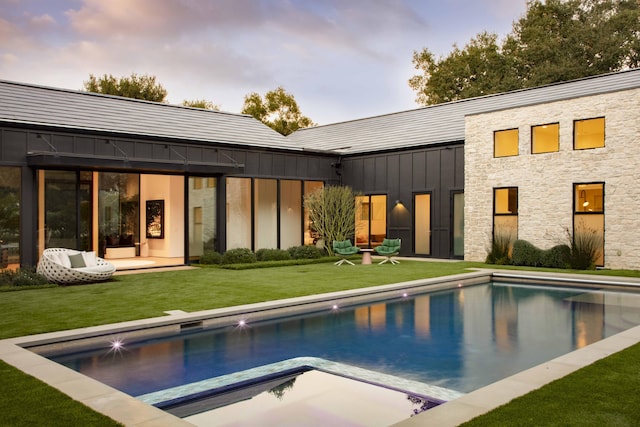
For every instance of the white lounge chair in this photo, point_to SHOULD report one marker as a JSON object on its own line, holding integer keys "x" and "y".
{"x": 68, "y": 266}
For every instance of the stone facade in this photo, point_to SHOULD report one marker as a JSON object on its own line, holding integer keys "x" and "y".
{"x": 545, "y": 181}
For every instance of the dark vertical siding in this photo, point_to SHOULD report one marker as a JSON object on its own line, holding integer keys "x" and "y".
{"x": 434, "y": 170}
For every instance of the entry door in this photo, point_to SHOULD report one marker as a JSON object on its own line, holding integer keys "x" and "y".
{"x": 422, "y": 224}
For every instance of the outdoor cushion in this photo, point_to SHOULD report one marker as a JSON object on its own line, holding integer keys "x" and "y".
{"x": 89, "y": 259}
{"x": 77, "y": 260}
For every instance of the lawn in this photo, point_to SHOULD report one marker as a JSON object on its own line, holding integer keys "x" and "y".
{"x": 139, "y": 296}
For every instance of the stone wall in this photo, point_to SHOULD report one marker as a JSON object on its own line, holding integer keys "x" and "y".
{"x": 545, "y": 181}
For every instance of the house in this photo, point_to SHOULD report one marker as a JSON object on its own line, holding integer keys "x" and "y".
{"x": 130, "y": 178}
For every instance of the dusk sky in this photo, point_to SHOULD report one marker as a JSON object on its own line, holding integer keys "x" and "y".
{"x": 341, "y": 59}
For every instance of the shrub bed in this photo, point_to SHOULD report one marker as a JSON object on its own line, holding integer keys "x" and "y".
{"x": 527, "y": 254}
{"x": 272, "y": 255}
{"x": 238, "y": 256}
{"x": 305, "y": 252}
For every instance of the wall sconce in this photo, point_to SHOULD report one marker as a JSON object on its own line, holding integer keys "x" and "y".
{"x": 398, "y": 202}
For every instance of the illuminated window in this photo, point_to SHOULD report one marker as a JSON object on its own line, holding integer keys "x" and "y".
{"x": 505, "y": 143}
{"x": 588, "y": 133}
{"x": 545, "y": 138}
{"x": 588, "y": 217}
{"x": 197, "y": 183}
{"x": 505, "y": 214}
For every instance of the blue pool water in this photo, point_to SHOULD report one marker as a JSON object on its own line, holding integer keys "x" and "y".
{"x": 460, "y": 339}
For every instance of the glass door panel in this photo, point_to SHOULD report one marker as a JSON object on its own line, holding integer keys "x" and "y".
{"x": 266, "y": 214}
{"x": 422, "y": 226}
{"x": 371, "y": 220}
{"x": 202, "y": 216}
{"x": 290, "y": 213}
{"x": 238, "y": 213}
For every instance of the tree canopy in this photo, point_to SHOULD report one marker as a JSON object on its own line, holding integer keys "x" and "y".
{"x": 135, "y": 86}
{"x": 555, "y": 40}
{"x": 201, "y": 103}
{"x": 278, "y": 110}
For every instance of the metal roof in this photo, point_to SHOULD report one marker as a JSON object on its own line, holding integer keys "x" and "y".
{"x": 62, "y": 108}
{"x": 444, "y": 123}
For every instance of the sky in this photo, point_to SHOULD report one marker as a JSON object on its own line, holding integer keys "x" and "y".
{"x": 341, "y": 59}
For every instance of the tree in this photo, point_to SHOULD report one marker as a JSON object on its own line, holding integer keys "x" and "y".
{"x": 201, "y": 103}
{"x": 554, "y": 41}
{"x": 278, "y": 110}
{"x": 478, "y": 69}
{"x": 332, "y": 211}
{"x": 135, "y": 86}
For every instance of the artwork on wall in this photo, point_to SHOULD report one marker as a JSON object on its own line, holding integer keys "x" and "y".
{"x": 155, "y": 219}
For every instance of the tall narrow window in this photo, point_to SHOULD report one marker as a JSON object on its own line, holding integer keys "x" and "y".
{"x": 545, "y": 138}
{"x": 505, "y": 143}
{"x": 458, "y": 225}
{"x": 588, "y": 133}
{"x": 588, "y": 218}
{"x": 422, "y": 224}
{"x": 505, "y": 215}
{"x": 9, "y": 218}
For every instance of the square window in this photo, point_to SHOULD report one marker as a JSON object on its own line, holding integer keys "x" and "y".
{"x": 506, "y": 201}
{"x": 505, "y": 143}
{"x": 588, "y": 133}
{"x": 589, "y": 198}
{"x": 545, "y": 138}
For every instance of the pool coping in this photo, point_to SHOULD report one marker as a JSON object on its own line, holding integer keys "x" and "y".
{"x": 133, "y": 412}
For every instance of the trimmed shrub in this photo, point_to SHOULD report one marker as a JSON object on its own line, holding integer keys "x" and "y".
{"x": 557, "y": 257}
{"x": 272, "y": 255}
{"x": 524, "y": 253}
{"x": 238, "y": 256}
{"x": 305, "y": 252}
{"x": 210, "y": 257}
{"x": 22, "y": 277}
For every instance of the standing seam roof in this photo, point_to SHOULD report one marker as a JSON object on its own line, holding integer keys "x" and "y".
{"x": 446, "y": 122}
{"x": 39, "y": 105}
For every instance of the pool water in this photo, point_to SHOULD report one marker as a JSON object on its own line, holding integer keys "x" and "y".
{"x": 459, "y": 339}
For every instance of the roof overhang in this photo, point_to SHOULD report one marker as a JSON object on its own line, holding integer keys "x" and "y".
{"x": 48, "y": 159}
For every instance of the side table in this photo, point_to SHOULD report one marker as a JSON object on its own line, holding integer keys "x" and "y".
{"x": 366, "y": 256}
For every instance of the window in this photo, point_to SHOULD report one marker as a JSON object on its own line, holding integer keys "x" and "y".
{"x": 545, "y": 138}
{"x": 505, "y": 215}
{"x": 588, "y": 133}
{"x": 10, "y": 217}
{"x": 588, "y": 217}
{"x": 371, "y": 220}
{"x": 505, "y": 143}
{"x": 197, "y": 183}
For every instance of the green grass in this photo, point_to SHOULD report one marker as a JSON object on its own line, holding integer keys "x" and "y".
{"x": 138, "y": 296}
{"x": 26, "y": 401}
{"x": 602, "y": 394}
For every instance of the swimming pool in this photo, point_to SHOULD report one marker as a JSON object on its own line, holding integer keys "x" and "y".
{"x": 458, "y": 339}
